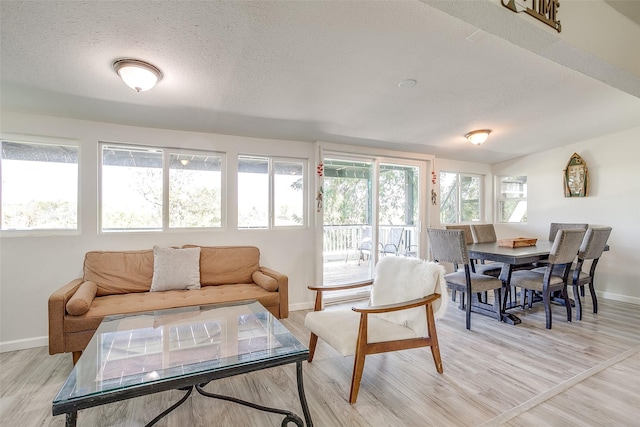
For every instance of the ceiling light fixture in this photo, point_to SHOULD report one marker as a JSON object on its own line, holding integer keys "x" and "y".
{"x": 136, "y": 74}
{"x": 407, "y": 83}
{"x": 477, "y": 137}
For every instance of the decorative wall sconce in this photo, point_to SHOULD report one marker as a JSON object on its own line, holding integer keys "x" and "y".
{"x": 477, "y": 137}
{"x": 576, "y": 177}
{"x": 136, "y": 74}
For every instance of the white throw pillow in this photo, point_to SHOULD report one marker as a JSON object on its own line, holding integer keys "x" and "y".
{"x": 175, "y": 269}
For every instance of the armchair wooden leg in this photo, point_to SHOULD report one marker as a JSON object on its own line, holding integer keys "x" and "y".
{"x": 435, "y": 347}
{"x": 313, "y": 341}
{"x": 358, "y": 362}
{"x": 358, "y": 368}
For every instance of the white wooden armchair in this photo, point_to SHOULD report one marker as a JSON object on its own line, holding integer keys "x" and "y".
{"x": 404, "y": 296}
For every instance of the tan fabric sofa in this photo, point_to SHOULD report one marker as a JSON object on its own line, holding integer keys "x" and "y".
{"x": 123, "y": 282}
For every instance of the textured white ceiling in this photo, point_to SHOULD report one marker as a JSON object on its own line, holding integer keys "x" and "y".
{"x": 312, "y": 71}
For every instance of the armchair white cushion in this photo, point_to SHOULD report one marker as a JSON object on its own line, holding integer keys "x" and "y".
{"x": 339, "y": 329}
{"x": 404, "y": 279}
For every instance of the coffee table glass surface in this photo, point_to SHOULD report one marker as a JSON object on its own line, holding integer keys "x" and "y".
{"x": 138, "y": 354}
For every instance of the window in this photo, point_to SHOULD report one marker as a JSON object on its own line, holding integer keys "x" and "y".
{"x": 460, "y": 196}
{"x": 512, "y": 198}
{"x": 39, "y": 186}
{"x": 195, "y": 191}
{"x": 271, "y": 192}
{"x": 153, "y": 189}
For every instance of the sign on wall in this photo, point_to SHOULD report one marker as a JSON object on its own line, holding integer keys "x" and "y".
{"x": 543, "y": 10}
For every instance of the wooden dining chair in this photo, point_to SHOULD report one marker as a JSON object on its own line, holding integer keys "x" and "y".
{"x": 450, "y": 246}
{"x": 554, "y": 276}
{"x": 405, "y": 294}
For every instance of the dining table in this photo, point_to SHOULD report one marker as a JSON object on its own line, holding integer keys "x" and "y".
{"x": 512, "y": 259}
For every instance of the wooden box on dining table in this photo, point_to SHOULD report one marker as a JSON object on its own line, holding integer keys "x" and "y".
{"x": 518, "y": 242}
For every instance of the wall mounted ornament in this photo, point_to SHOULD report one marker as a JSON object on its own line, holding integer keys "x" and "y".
{"x": 576, "y": 177}
{"x": 545, "y": 11}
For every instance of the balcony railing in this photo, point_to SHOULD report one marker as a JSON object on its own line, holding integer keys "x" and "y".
{"x": 340, "y": 240}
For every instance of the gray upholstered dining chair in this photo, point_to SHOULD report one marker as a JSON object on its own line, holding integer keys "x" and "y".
{"x": 483, "y": 233}
{"x": 450, "y": 246}
{"x": 551, "y": 278}
{"x": 553, "y": 230}
{"x": 405, "y": 300}
{"x": 592, "y": 247}
{"x": 555, "y": 226}
{"x": 486, "y": 233}
{"x": 492, "y": 269}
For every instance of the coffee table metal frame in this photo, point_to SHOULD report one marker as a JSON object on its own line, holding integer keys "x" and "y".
{"x": 69, "y": 402}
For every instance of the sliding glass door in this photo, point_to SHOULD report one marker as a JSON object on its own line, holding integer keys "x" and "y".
{"x": 348, "y": 240}
{"x": 371, "y": 209}
{"x": 398, "y": 209}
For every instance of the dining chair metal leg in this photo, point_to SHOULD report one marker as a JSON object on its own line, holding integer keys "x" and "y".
{"x": 594, "y": 298}
{"x": 567, "y": 303}
{"x": 578, "y": 302}
{"x": 469, "y": 296}
{"x": 546, "y": 299}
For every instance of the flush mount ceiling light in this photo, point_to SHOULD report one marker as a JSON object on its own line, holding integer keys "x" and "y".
{"x": 136, "y": 74}
{"x": 407, "y": 83}
{"x": 477, "y": 137}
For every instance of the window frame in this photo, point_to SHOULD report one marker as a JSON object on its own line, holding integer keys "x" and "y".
{"x": 43, "y": 141}
{"x": 481, "y": 192}
{"x": 499, "y": 199}
{"x": 271, "y": 214}
{"x": 166, "y": 154}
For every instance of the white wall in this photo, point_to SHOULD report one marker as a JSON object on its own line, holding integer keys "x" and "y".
{"x": 614, "y": 200}
{"x": 31, "y": 268}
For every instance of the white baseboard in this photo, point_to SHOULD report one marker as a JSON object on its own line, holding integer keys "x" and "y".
{"x": 618, "y": 297}
{"x": 23, "y": 344}
{"x": 301, "y": 306}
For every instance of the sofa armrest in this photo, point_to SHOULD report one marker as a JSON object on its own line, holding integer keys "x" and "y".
{"x": 57, "y": 311}
{"x": 283, "y": 289}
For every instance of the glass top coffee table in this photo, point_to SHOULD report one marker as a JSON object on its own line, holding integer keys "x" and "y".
{"x": 143, "y": 353}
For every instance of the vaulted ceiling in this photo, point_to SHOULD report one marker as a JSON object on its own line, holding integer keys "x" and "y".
{"x": 316, "y": 70}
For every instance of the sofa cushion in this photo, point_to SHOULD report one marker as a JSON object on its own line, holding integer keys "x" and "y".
{"x": 175, "y": 269}
{"x": 80, "y": 302}
{"x": 222, "y": 265}
{"x": 266, "y": 282}
{"x": 149, "y": 301}
{"x": 119, "y": 272}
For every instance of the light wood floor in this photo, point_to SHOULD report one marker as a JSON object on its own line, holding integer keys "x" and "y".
{"x": 577, "y": 374}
